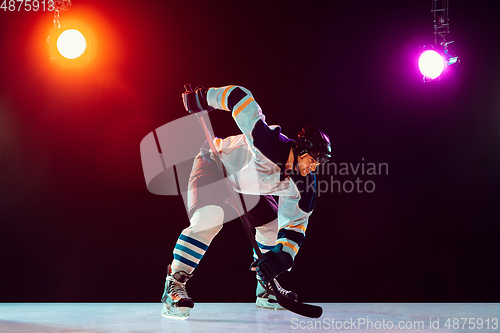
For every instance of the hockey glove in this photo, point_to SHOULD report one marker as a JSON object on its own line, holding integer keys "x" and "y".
{"x": 195, "y": 101}
{"x": 273, "y": 263}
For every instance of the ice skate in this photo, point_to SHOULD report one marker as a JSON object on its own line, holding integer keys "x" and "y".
{"x": 265, "y": 295}
{"x": 176, "y": 302}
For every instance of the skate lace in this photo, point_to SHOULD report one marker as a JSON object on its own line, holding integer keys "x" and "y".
{"x": 269, "y": 289}
{"x": 177, "y": 288}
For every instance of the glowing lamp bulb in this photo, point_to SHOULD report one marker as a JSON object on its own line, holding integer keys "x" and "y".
{"x": 431, "y": 64}
{"x": 71, "y": 44}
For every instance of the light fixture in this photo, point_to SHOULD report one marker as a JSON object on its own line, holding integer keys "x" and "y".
{"x": 431, "y": 64}
{"x": 435, "y": 58}
{"x": 67, "y": 41}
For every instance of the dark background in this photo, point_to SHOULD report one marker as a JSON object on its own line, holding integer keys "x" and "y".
{"x": 77, "y": 223}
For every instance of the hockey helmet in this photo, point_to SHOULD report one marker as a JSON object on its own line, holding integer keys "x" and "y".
{"x": 312, "y": 141}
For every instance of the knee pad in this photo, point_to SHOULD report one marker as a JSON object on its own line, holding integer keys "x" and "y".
{"x": 207, "y": 218}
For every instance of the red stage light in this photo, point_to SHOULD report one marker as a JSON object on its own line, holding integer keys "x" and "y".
{"x": 71, "y": 44}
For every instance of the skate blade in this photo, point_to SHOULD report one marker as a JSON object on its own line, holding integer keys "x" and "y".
{"x": 175, "y": 313}
{"x": 264, "y": 303}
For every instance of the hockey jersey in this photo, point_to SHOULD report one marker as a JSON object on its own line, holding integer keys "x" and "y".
{"x": 255, "y": 163}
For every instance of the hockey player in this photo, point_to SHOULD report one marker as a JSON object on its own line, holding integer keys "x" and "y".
{"x": 260, "y": 161}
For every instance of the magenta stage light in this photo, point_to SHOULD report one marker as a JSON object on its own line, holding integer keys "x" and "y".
{"x": 431, "y": 64}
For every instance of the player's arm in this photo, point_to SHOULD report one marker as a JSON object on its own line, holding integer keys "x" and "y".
{"x": 292, "y": 236}
{"x": 235, "y": 99}
{"x": 242, "y": 105}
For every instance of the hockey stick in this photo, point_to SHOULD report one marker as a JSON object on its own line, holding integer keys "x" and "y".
{"x": 307, "y": 310}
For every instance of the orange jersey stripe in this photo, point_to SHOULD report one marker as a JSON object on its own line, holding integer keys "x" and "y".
{"x": 289, "y": 245}
{"x": 223, "y": 101}
{"x": 242, "y": 106}
{"x": 300, "y": 226}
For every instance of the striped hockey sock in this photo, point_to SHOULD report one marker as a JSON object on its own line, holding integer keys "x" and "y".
{"x": 193, "y": 242}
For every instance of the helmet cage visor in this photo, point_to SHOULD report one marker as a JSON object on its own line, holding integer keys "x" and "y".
{"x": 320, "y": 151}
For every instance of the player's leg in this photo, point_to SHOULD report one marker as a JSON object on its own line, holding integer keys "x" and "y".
{"x": 206, "y": 218}
{"x": 266, "y": 236}
{"x": 193, "y": 241}
{"x": 190, "y": 247}
{"x": 264, "y": 217}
